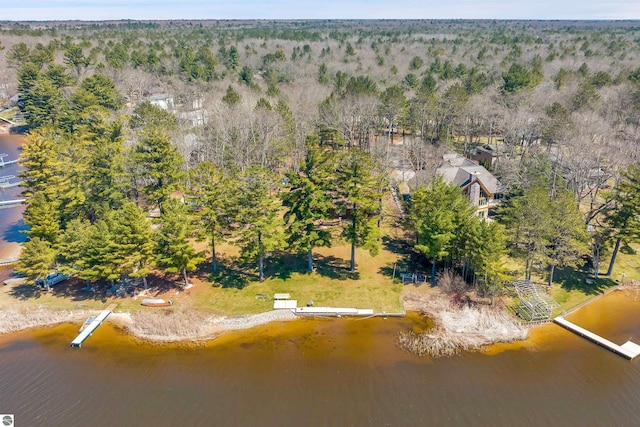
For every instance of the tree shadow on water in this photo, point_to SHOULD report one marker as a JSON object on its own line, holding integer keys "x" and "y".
{"x": 15, "y": 232}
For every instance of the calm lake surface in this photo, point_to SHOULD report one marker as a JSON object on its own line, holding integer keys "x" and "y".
{"x": 323, "y": 372}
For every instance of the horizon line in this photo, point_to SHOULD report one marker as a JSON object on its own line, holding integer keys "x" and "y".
{"x": 328, "y": 19}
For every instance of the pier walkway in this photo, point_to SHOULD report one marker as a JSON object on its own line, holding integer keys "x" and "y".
{"x": 86, "y": 332}
{"x": 4, "y": 185}
{"x": 11, "y": 203}
{"x": 630, "y": 350}
{"x": 4, "y": 162}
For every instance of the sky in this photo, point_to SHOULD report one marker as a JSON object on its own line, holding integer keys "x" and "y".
{"x": 40, "y": 10}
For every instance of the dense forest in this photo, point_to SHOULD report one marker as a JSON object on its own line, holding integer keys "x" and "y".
{"x": 263, "y": 133}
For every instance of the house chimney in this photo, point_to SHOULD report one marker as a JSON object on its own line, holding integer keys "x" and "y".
{"x": 474, "y": 189}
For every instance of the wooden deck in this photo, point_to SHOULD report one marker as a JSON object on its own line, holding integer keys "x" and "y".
{"x": 630, "y": 350}
{"x": 88, "y": 330}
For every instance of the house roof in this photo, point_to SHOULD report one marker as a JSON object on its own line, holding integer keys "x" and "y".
{"x": 487, "y": 148}
{"x": 462, "y": 172}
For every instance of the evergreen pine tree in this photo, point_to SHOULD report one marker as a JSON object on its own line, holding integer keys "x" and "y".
{"x": 174, "y": 251}
{"x": 157, "y": 164}
{"x": 358, "y": 185}
{"x": 37, "y": 259}
{"x": 308, "y": 202}
{"x": 43, "y": 218}
{"x": 216, "y": 197}
{"x": 133, "y": 241}
{"x": 260, "y": 224}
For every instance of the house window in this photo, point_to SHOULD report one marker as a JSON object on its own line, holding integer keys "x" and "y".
{"x": 483, "y": 200}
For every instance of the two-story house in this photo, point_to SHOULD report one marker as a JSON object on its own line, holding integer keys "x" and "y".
{"x": 483, "y": 189}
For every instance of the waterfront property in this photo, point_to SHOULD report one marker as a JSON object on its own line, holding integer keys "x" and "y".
{"x": 483, "y": 189}
{"x": 343, "y": 371}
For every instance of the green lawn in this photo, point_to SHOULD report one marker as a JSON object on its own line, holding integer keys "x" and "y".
{"x": 234, "y": 289}
{"x": 331, "y": 284}
{"x": 572, "y": 287}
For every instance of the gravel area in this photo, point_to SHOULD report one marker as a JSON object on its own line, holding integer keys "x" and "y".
{"x": 249, "y": 321}
{"x": 160, "y": 325}
{"x": 172, "y": 326}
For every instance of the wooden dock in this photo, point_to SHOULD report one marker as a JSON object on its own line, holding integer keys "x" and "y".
{"x": 630, "y": 350}
{"x": 88, "y": 330}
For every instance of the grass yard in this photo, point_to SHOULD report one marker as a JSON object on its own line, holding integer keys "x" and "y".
{"x": 572, "y": 287}
{"x": 331, "y": 284}
{"x": 235, "y": 289}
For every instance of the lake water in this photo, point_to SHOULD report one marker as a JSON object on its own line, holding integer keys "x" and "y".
{"x": 10, "y": 218}
{"x": 340, "y": 372}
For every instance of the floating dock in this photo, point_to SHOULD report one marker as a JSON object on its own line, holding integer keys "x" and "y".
{"x": 630, "y": 350}
{"x": 88, "y": 330}
{"x": 11, "y": 203}
{"x": 4, "y": 185}
{"x": 4, "y": 162}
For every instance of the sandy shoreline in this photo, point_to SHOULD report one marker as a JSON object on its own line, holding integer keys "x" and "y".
{"x": 152, "y": 326}
{"x": 457, "y": 328}
{"x": 190, "y": 326}
{"x": 467, "y": 326}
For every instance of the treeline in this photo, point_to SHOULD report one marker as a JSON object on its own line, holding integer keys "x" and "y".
{"x": 91, "y": 176}
{"x": 561, "y": 102}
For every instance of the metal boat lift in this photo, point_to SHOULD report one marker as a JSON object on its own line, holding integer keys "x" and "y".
{"x": 535, "y": 303}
